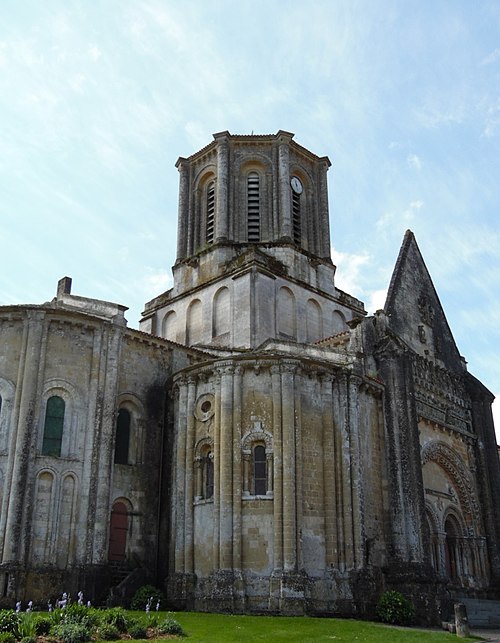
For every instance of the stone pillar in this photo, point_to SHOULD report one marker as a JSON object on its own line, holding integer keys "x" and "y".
{"x": 358, "y": 536}
{"x": 24, "y": 424}
{"x": 226, "y": 468}
{"x": 105, "y": 445}
{"x": 278, "y": 469}
{"x": 345, "y": 488}
{"x": 324, "y": 249}
{"x": 329, "y": 483}
{"x": 180, "y": 476}
{"x": 237, "y": 471}
{"x": 183, "y": 212}
{"x": 289, "y": 468}
{"x": 221, "y": 218}
{"x": 284, "y": 190}
{"x": 189, "y": 479}
{"x": 217, "y": 465}
{"x": 461, "y": 621}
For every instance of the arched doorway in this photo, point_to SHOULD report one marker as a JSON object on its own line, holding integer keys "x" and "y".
{"x": 118, "y": 532}
{"x": 452, "y": 530}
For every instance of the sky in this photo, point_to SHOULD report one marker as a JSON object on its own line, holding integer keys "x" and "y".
{"x": 99, "y": 99}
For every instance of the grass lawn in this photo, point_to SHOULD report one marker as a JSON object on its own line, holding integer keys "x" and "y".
{"x": 219, "y": 628}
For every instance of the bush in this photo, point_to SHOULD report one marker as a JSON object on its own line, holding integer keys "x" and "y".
{"x": 9, "y": 621}
{"x": 108, "y": 632}
{"x": 28, "y": 639}
{"x": 170, "y": 626}
{"x": 137, "y": 631}
{"x": 26, "y": 627}
{"x": 72, "y": 632}
{"x": 7, "y": 637}
{"x": 395, "y": 609}
{"x": 143, "y": 594}
{"x": 42, "y": 625}
{"x": 115, "y": 616}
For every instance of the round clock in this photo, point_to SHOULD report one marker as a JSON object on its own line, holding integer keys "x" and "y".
{"x": 296, "y": 185}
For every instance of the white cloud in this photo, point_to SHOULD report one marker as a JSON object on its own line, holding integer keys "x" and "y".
{"x": 414, "y": 161}
{"x": 492, "y": 57}
{"x": 156, "y": 282}
{"x": 376, "y": 300}
{"x": 349, "y": 269}
{"x": 95, "y": 52}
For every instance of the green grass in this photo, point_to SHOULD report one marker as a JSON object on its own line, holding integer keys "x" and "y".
{"x": 218, "y": 628}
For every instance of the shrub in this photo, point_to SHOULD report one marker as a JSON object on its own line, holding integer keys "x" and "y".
{"x": 143, "y": 594}
{"x": 28, "y": 639}
{"x": 137, "y": 631}
{"x": 108, "y": 632}
{"x": 43, "y": 625}
{"x": 9, "y": 621}
{"x": 115, "y": 616}
{"x": 72, "y": 632}
{"x": 395, "y": 609}
{"x": 7, "y": 637}
{"x": 170, "y": 626}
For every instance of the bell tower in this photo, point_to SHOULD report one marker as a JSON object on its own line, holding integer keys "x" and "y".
{"x": 253, "y": 248}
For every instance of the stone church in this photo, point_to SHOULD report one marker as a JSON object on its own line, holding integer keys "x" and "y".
{"x": 260, "y": 444}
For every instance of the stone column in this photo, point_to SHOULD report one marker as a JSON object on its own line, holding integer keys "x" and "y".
{"x": 183, "y": 212}
{"x": 25, "y": 405}
{"x": 284, "y": 190}
{"x": 237, "y": 472}
{"x": 289, "y": 468}
{"x": 217, "y": 466}
{"x": 324, "y": 249}
{"x": 189, "y": 478}
{"x": 221, "y": 218}
{"x": 356, "y": 475}
{"x": 329, "y": 483}
{"x": 345, "y": 487}
{"x": 180, "y": 476}
{"x": 226, "y": 468}
{"x": 105, "y": 445}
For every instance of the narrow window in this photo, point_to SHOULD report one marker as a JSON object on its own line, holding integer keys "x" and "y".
{"x": 208, "y": 476}
{"x": 253, "y": 206}
{"x": 297, "y": 236}
{"x": 259, "y": 470}
{"x": 210, "y": 228}
{"x": 122, "y": 437}
{"x": 53, "y": 427}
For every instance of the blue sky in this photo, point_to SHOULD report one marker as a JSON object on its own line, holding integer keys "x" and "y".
{"x": 99, "y": 99}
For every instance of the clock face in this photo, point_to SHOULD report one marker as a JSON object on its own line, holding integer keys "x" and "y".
{"x": 296, "y": 185}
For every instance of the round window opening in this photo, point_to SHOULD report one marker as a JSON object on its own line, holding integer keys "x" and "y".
{"x": 206, "y": 406}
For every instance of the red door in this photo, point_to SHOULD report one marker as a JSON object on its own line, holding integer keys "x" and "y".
{"x": 118, "y": 532}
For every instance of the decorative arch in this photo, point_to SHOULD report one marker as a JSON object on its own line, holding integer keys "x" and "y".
{"x": 286, "y": 314}
{"x": 257, "y": 455}
{"x": 169, "y": 326}
{"x": 450, "y": 461}
{"x": 339, "y": 324}
{"x": 43, "y": 515}
{"x": 194, "y": 322}
{"x": 314, "y": 321}
{"x": 204, "y": 470}
{"x": 66, "y": 520}
{"x": 221, "y": 313}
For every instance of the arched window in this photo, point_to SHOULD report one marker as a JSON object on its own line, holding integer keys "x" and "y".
{"x": 314, "y": 321}
{"x": 208, "y": 476}
{"x": 169, "y": 326}
{"x": 210, "y": 213}
{"x": 53, "y": 427}
{"x": 204, "y": 467}
{"x": 253, "y": 207}
{"x": 259, "y": 470}
{"x": 194, "y": 322}
{"x": 286, "y": 318}
{"x": 122, "y": 440}
{"x": 221, "y": 313}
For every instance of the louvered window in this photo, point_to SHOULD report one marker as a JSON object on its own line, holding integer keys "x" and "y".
{"x": 297, "y": 236}
{"x": 253, "y": 206}
{"x": 210, "y": 228}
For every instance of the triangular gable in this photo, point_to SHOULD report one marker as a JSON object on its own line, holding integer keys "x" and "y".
{"x": 414, "y": 310}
